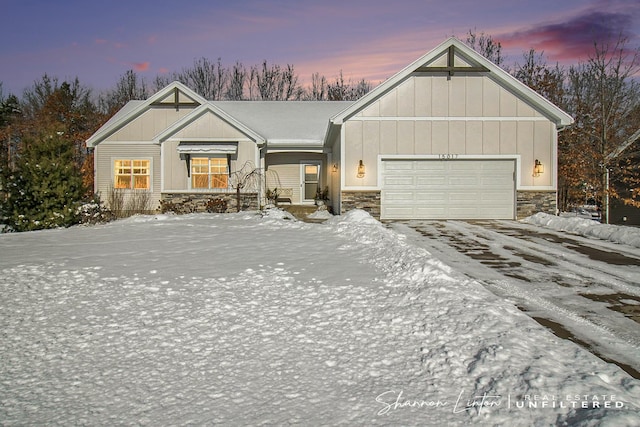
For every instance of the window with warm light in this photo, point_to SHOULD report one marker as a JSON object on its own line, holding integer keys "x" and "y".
{"x": 209, "y": 172}
{"x": 132, "y": 174}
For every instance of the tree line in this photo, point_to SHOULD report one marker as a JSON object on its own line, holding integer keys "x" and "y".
{"x": 46, "y": 170}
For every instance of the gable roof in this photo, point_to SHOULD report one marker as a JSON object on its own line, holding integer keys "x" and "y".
{"x": 134, "y": 109}
{"x": 285, "y": 123}
{"x": 473, "y": 62}
{"x": 208, "y": 107}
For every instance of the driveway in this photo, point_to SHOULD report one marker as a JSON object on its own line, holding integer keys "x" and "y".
{"x": 584, "y": 290}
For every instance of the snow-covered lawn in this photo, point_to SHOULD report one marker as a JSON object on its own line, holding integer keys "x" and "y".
{"x": 240, "y": 319}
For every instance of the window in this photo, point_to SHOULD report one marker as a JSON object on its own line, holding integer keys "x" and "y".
{"x": 132, "y": 174}
{"x": 209, "y": 172}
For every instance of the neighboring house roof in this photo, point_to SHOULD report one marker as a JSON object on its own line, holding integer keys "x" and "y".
{"x": 285, "y": 123}
{"x": 554, "y": 113}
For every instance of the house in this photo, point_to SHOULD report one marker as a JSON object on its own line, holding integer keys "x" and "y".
{"x": 451, "y": 136}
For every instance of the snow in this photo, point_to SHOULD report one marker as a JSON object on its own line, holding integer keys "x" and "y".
{"x": 589, "y": 228}
{"x": 249, "y": 319}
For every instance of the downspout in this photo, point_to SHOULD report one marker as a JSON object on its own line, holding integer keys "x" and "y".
{"x": 262, "y": 164}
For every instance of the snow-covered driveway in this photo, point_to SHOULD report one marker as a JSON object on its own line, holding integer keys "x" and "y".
{"x": 240, "y": 319}
{"x": 587, "y": 290}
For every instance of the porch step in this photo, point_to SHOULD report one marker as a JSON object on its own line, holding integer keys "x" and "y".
{"x": 300, "y": 211}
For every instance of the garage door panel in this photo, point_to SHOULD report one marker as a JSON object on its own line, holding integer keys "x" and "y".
{"x": 434, "y": 166}
{"x": 398, "y": 196}
{"x": 463, "y": 181}
{"x": 430, "y": 181}
{"x": 399, "y": 166}
{"x": 448, "y": 189}
{"x": 398, "y": 212}
{"x": 398, "y": 181}
{"x": 429, "y": 212}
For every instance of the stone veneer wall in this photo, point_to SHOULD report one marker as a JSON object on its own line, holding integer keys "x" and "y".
{"x": 531, "y": 202}
{"x": 197, "y": 202}
{"x": 366, "y": 200}
{"x": 528, "y": 202}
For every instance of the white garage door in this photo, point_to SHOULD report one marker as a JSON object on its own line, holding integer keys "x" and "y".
{"x": 448, "y": 189}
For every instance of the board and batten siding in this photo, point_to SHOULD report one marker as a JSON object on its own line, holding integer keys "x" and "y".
{"x": 149, "y": 124}
{"x": 466, "y": 115}
{"x": 105, "y": 154}
{"x": 283, "y": 171}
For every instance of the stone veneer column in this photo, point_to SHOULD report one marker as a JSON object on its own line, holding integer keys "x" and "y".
{"x": 531, "y": 202}
{"x": 366, "y": 200}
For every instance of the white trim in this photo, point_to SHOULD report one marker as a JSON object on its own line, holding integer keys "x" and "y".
{"x": 208, "y": 156}
{"x": 452, "y": 119}
{"x": 128, "y": 157}
{"x": 95, "y": 170}
{"x": 207, "y": 139}
{"x": 294, "y": 150}
{"x": 108, "y": 143}
{"x": 162, "y": 160}
{"x": 343, "y": 152}
{"x": 203, "y": 191}
{"x": 446, "y": 157}
{"x": 361, "y": 188}
{"x": 304, "y": 163}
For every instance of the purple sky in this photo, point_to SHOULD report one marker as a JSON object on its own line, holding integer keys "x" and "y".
{"x": 98, "y": 41}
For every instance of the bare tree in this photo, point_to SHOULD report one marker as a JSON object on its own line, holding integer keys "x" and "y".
{"x": 247, "y": 178}
{"x": 237, "y": 80}
{"x": 129, "y": 87}
{"x": 341, "y": 90}
{"x": 487, "y": 46}
{"x": 318, "y": 89}
{"x": 274, "y": 83}
{"x": 605, "y": 100}
{"x": 206, "y": 78}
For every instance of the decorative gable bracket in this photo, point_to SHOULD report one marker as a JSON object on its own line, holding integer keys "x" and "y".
{"x": 451, "y": 69}
{"x": 176, "y": 101}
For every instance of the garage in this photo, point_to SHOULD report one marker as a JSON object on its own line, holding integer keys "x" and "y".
{"x": 448, "y": 189}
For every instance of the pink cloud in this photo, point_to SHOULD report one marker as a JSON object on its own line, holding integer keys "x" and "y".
{"x": 141, "y": 66}
{"x": 573, "y": 38}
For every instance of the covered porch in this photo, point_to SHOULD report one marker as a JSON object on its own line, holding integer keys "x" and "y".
{"x": 296, "y": 178}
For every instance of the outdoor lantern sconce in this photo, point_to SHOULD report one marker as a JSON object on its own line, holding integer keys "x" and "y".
{"x": 361, "y": 170}
{"x": 538, "y": 168}
{"x": 334, "y": 168}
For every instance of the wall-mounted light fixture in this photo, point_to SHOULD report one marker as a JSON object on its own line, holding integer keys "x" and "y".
{"x": 334, "y": 168}
{"x": 538, "y": 168}
{"x": 361, "y": 170}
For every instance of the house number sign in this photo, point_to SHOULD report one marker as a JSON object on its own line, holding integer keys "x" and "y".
{"x": 447, "y": 156}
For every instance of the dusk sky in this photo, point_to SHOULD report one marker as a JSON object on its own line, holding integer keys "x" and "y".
{"x": 98, "y": 41}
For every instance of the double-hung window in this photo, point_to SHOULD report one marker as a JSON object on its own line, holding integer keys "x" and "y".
{"x": 209, "y": 172}
{"x": 132, "y": 174}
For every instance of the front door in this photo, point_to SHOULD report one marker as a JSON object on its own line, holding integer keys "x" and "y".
{"x": 310, "y": 174}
